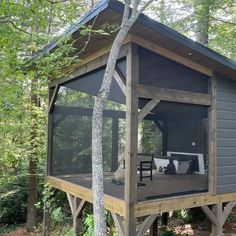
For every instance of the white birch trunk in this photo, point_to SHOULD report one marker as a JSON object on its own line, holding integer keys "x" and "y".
{"x": 97, "y": 119}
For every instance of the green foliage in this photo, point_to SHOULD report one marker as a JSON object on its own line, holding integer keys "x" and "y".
{"x": 165, "y": 232}
{"x": 26, "y": 27}
{"x": 88, "y": 222}
{"x": 13, "y": 196}
{"x": 55, "y": 202}
{"x": 57, "y": 215}
{"x": 89, "y": 225}
{"x": 213, "y": 17}
{"x": 151, "y": 138}
{"x": 185, "y": 215}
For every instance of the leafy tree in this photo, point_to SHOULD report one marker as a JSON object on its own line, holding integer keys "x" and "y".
{"x": 26, "y": 27}
{"x": 210, "y": 22}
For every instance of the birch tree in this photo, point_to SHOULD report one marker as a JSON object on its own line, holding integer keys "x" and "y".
{"x": 132, "y": 10}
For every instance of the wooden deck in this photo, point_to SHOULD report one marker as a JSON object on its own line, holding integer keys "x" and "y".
{"x": 162, "y": 186}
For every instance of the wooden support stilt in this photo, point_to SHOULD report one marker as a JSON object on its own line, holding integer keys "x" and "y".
{"x": 164, "y": 218}
{"x": 118, "y": 223}
{"x": 227, "y": 209}
{"x": 76, "y": 207}
{"x": 218, "y": 216}
{"x": 46, "y": 222}
{"x": 217, "y": 211}
{"x": 153, "y": 228}
{"x": 146, "y": 224}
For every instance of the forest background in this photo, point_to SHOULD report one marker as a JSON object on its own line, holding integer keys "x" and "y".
{"x": 26, "y": 27}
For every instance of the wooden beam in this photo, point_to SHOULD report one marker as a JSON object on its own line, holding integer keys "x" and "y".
{"x": 153, "y": 228}
{"x": 93, "y": 62}
{"x": 182, "y": 202}
{"x": 120, "y": 79}
{"x": 147, "y": 108}
{"x": 228, "y": 208}
{"x": 52, "y": 93}
{"x": 132, "y": 75}
{"x": 173, "y": 95}
{"x": 212, "y": 179}
{"x": 53, "y": 98}
{"x": 80, "y": 207}
{"x": 46, "y": 221}
{"x": 118, "y": 223}
{"x": 171, "y": 55}
{"x": 209, "y": 214}
{"x": 217, "y": 211}
{"x": 146, "y": 224}
{"x": 81, "y": 111}
{"x": 76, "y": 206}
{"x": 111, "y": 203}
{"x": 71, "y": 202}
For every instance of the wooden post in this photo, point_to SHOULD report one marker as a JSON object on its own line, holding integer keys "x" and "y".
{"x": 132, "y": 74}
{"x": 76, "y": 207}
{"x": 212, "y": 138}
{"x": 46, "y": 222}
{"x": 52, "y": 95}
{"x": 153, "y": 228}
{"x": 164, "y": 138}
{"x": 164, "y": 218}
{"x": 118, "y": 223}
{"x": 115, "y": 134}
{"x": 217, "y": 211}
{"x": 218, "y": 216}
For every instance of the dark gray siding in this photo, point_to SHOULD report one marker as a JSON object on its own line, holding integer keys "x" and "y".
{"x": 226, "y": 134}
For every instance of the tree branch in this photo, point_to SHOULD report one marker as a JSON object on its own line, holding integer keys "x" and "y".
{"x": 223, "y": 21}
{"x": 18, "y": 28}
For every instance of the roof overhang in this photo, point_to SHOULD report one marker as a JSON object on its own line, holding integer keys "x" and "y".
{"x": 110, "y": 12}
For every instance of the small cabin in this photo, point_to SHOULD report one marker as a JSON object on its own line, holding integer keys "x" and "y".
{"x": 169, "y": 126}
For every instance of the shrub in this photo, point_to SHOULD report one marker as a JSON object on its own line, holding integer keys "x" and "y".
{"x": 167, "y": 233}
{"x": 13, "y": 199}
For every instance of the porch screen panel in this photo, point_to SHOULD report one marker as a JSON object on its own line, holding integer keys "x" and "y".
{"x": 185, "y": 137}
{"x": 72, "y": 133}
{"x": 159, "y": 71}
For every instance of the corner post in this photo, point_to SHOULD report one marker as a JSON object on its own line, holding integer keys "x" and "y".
{"x": 132, "y": 75}
{"x": 212, "y": 185}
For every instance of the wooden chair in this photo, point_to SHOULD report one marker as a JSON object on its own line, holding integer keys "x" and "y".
{"x": 144, "y": 163}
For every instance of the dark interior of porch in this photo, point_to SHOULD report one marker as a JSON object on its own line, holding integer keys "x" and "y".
{"x": 171, "y": 133}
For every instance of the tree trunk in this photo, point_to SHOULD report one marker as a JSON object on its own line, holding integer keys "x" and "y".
{"x": 31, "y": 220}
{"x": 97, "y": 119}
{"x": 202, "y": 11}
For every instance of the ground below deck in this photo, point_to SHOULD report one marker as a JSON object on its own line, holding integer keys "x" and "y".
{"x": 161, "y": 186}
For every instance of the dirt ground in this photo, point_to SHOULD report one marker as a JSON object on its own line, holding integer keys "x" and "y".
{"x": 183, "y": 230}
{"x": 202, "y": 228}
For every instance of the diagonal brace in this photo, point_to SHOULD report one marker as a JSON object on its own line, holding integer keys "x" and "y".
{"x": 120, "y": 79}
{"x": 147, "y": 108}
{"x": 118, "y": 223}
{"x": 146, "y": 224}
